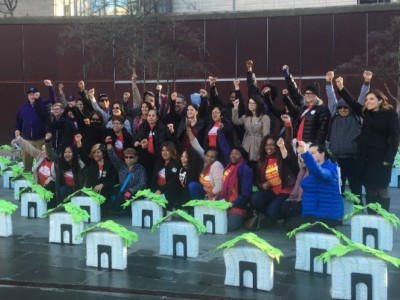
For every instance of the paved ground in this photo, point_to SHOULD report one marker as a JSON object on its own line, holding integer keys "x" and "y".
{"x": 32, "y": 268}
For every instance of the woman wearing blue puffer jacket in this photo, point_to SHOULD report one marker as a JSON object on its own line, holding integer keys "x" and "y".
{"x": 322, "y": 200}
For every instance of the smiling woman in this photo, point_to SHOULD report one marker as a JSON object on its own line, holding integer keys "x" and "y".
{"x": 377, "y": 143}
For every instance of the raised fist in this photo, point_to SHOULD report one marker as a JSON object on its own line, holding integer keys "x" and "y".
{"x": 329, "y": 76}
{"x": 203, "y": 93}
{"x": 174, "y": 95}
{"x": 339, "y": 82}
{"x": 367, "y": 75}
{"x": 47, "y": 82}
{"x": 81, "y": 85}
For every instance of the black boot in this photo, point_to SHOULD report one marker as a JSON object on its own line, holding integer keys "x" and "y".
{"x": 371, "y": 199}
{"x": 385, "y": 203}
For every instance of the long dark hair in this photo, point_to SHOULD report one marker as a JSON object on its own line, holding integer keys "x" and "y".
{"x": 195, "y": 165}
{"x": 259, "y": 104}
{"x": 171, "y": 149}
{"x": 262, "y": 155}
{"x": 63, "y": 165}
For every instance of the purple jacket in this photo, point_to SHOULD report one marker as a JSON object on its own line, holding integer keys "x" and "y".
{"x": 31, "y": 119}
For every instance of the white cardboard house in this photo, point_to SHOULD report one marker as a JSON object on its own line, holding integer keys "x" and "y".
{"x": 92, "y": 207}
{"x": 145, "y": 213}
{"x": 63, "y": 229}
{"x": 32, "y": 206}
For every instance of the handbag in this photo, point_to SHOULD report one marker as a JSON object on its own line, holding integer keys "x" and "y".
{"x": 252, "y": 222}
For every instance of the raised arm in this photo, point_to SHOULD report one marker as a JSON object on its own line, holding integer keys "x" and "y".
{"x": 365, "y": 87}
{"x": 294, "y": 92}
{"x": 252, "y": 88}
{"x": 350, "y": 100}
{"x": 330, "y": 92}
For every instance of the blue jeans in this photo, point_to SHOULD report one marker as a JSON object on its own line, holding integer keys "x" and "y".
{"x": 265, "y": 201}
{"x": 63, "y": 192}
{"x": 196, "y": 190}
{"x": 235, "y": 221}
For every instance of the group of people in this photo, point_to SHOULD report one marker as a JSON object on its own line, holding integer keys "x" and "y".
{"x": 208, "y": 148}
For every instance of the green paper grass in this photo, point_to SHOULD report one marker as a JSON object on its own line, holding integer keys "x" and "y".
{"x": 390, "y": 218}
{"x": 78, "y": 214}
{"x": 39, "y": 190}
{"x": 5, "y": 160}
{"x": 96, "y": 197}
{"x": 25, "y": 175}
{"x": 200, "y": 226}
{"x": 341, "y": 250}
{"x": 16, "y": 170}
{"x": 7, "y": 207}
{"x": 156, "y": 198}
{"x": 5, "y": 147}
{"x": 253, "y": 239}
{"x": 352, "y": 197}
{"x": 310, "y": 225}
{"x": 128, "y": 236}
{"x": 217, "y": 204}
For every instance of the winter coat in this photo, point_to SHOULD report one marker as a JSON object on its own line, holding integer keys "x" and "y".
{"x": 255, "y": 129}
{"x": 321, "y": 197}
{"x": 376, "y": 144}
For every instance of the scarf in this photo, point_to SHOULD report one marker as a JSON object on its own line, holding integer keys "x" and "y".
{"x": 230, "y": 182}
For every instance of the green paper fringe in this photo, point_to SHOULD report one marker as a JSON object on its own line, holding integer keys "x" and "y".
{"x": 128, "y": 236}
{"x": 78, "y": 214}
{"x": 390, "y": 218}
{"x": 148, "y": 194}
{"x": 96, "y": 197}
{"x": 308, "y": 225}
{"x": 39, "y": 190}
{"x": 26, "y": 176}
{"x": 217, "y": 204}
{"x": 5, "y": 147}
{"x": 341, "y": 250}
{"x": 16, "y": 170}
{"x": 253, "y": 239}
{"x": 352, "y": 197}
{"x": 200, "y": 226}
{"x": 5, "y": 160}
{"x": 7, "y": 207}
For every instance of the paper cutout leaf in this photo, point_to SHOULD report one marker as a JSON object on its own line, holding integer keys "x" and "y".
{"x": 96, "y": 197}
{"x": 200, "y": 226}
{"x": 147, "y": 194}
{"x": 217, "y": 204}
{"x": 253, "y": 239}
{"x": 128, "y": 236}
{"x": 7, "y": 207}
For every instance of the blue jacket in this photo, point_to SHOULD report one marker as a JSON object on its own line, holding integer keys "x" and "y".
{"x": 31, "y": 119}
{"x": 321, "y": 196}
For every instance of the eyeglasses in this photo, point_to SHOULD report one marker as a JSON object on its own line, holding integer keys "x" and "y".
{"x": 116, "y": 123}
{"x": 116, "y": 108}
{"x": 103, "y": 100}
{"x": 95, "y": 120}
{"x": 130, "y": 157}
{"x": 308, "y": 93}
{"x": 342, "y": 107}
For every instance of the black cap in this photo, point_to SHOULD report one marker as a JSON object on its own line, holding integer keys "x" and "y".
{"x": 103, "y": 96}
{"x": 314, "y": 88}
{"x": 148, "y": 93}
{"x": 71, "y": 98}
{"x": 32, "y": 90}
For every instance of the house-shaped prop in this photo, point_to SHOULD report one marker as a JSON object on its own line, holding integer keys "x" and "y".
{"x": 66, "y": 221}
{"x": 107, "y": 245}
{"x": 213, "y": 214}
{"x": 6, "y": 209}
{"x": 179, "y": 237}
{"x": 250, "y": 265}
{"x": 147, "y": 208}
